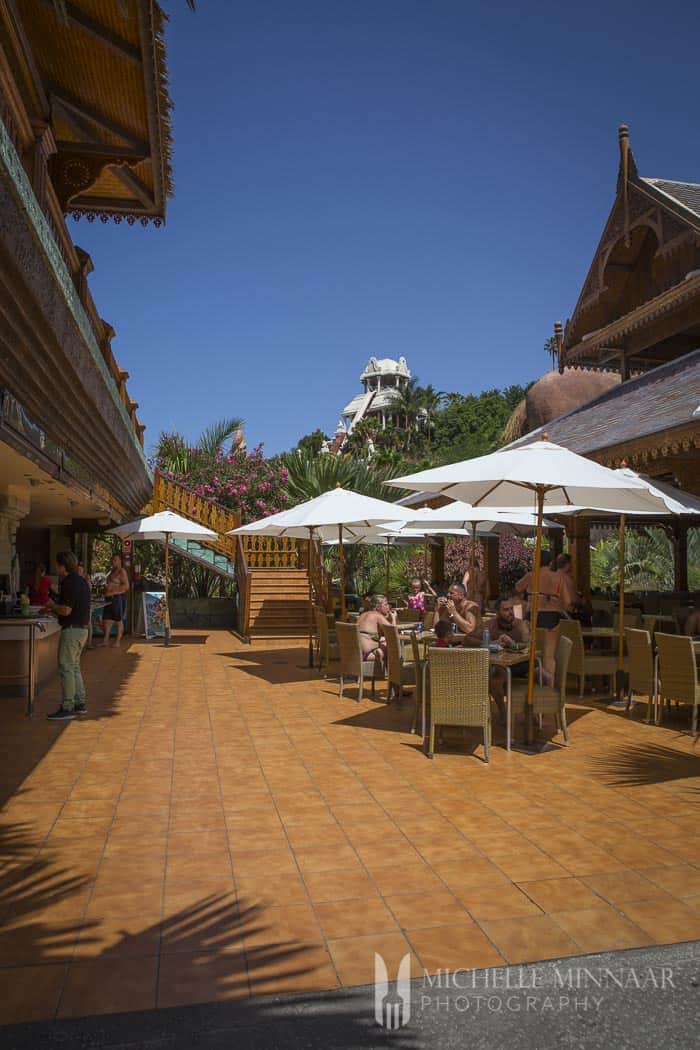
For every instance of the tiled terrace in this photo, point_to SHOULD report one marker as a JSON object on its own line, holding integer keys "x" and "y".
{"x": 223, "y": 826}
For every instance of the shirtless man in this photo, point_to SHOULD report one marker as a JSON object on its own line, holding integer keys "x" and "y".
{"x": 555, "y": 596}
{"x": 116, "y": 589}
{"x": 459, "y": 610}
{"x": 512, "y": 634}
{"x": 370, "y": 625}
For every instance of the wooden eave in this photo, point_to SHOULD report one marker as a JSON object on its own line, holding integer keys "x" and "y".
{"x": 663, "y": 305}
{"x": 101, "y": 67}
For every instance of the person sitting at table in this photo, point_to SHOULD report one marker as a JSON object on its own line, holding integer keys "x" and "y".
{"x": 443, "y": 634}
{"x": 457, "y": 609}
{"x": 370, "y": 625}
{"x": 39, "y": 587}
{"x": 512, "y": 634}
{"x": 555, "y": 595}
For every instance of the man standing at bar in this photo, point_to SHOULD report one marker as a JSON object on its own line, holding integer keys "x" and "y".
{"x": 73, "y": 612}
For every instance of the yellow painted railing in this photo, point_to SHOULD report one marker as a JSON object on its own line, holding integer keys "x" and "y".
{"x": 267, "y": 552}
{"x": 169, "y": 495}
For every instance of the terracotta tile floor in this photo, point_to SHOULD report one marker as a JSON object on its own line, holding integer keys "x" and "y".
{"x": 221, "y": 825}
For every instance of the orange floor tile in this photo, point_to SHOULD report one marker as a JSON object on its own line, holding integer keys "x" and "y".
{"x": 221, "y": 825}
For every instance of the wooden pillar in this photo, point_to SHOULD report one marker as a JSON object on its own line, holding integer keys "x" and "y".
{"x": 680, "y": 556}
{"x": 437, "y": 562}
{"x": 491, "y": 546}
{"x": 556, "y": 543}
{"x": 580, "y": 551}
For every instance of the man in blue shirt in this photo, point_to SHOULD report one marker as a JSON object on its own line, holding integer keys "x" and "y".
{"x": 73, "y": 612}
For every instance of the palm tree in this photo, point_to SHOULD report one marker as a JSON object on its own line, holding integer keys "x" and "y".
{"x": 311, "y": 476}
{"x": 432, "y": 400}
{"x": 551, "y": 348}
{"x": 407, "y": 404}
{"x": 173, "y": 454}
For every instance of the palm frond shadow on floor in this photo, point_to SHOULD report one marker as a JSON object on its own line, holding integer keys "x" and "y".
{"x": 646, "y": 765}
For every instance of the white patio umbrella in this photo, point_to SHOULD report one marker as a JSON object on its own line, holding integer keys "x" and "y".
{"x": 162, "y": 527}
{"x": 541, "y": 472}
{"x": 676, "y": 504}
{"x": 495, "y": 521}
{"x": 335, "y": 514}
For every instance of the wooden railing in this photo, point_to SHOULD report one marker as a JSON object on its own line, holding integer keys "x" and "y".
{"x": 320, "y": 579}
{"x": 267, "y": 552}
{"x": 243, "y": 580}
{"x": 170, "y": 495}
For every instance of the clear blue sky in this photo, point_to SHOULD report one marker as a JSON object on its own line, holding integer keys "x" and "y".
{"x": 381, "y": 177}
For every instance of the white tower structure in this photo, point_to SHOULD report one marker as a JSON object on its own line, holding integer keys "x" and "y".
{"x": 382, "y": 380}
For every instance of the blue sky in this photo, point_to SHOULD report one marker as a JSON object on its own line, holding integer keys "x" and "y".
{"x": 359, "y": 178}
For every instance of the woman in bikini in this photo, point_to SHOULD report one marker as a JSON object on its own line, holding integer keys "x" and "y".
{"x": 370, "y": 625}
{"x": 555, "y": 596}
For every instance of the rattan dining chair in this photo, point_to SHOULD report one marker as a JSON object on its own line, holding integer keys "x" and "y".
{"x": 642, "y": 675}
{"x": 678, "y": 673}
{"x": 400, "y": 672}
{"x": 420, "y": 663}
{"x": 583, "y": 664}
{"x": 548, "y": 699}
{"x": 459, "y": 692}
{"x": 328, "y": 654}
{"x": 351, "y": 662}
{"x": 408, "y": 615}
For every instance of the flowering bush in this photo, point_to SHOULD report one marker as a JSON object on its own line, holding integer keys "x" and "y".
{"x": 514, "y": 560}
{"x": 240, "y": 480}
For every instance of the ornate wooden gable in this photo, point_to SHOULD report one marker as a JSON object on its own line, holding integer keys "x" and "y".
{"x": 96, "y": 72}
{"x": 640, "y": 303}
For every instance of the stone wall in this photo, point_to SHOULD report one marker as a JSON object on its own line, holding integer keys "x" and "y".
{"x": 203, "y": 613}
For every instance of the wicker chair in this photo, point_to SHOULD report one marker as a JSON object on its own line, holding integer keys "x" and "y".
{"x": 352, "y": 664}
{"x": 633, "y": 618}
{"x": 642, "y": 676}
{"x": 459, "y": 692}
{"x": 678, "y": 673}
{"x": 420, "y": 663}
{"x": 586, "y": 665}
{"x": 400, "y": 672}
{"x": 327, "y": 650}
{"x": 408, "y": 615}
{"x": 548, "y": 700}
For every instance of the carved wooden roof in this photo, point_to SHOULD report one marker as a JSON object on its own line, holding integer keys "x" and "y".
{"x": 648, "y": 253}
{"x": 101, "y": 68}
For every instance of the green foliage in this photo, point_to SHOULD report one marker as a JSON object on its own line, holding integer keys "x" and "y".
{"x": 648, "y": 561}
{"x": 309, "y": 476}
{"x": 312, "y": 442}
{"x": 173, "y": 454}
{"x": 473, "y": 425}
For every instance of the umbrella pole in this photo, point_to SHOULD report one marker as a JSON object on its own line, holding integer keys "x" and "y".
{"x": 620, "y": 676}
{"x": 311, "y": 599}
{"x": 166, "y": 618}
{"x": 472, "y": 562}
{"x": 533, "y": 616}
{"x": 425, "y": 560}
{"x": 341, "y": 559}
{"x": 388, "y": 550}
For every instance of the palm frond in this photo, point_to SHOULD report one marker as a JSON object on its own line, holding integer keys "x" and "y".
{"x": 214, "y": 437}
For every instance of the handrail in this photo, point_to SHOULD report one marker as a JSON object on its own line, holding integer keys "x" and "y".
{"x": 271, "y": 552}
{"x": 171, "y": 495}
{"x": 243, "y": 579}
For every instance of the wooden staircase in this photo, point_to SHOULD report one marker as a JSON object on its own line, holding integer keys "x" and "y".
{"x": 271, "y": 575}
{"x": 278, "y": 603}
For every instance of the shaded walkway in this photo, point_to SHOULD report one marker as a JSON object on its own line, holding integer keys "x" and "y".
{"x": 222, "y": 826}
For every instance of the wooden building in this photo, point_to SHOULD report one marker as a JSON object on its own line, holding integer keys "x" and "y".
{"x": 638, "y": 315}
{"x": 84, "y": 131}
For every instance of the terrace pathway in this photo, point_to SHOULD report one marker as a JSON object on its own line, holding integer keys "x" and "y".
{"x": 221, "y": 826}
